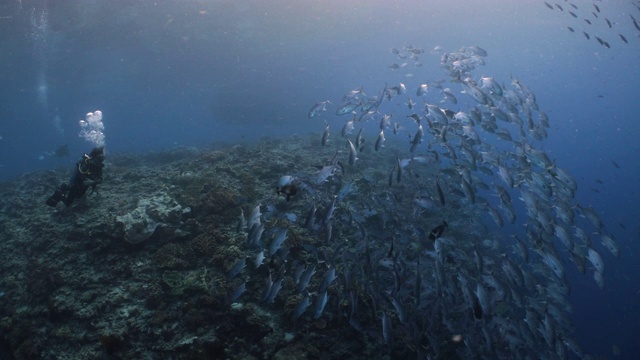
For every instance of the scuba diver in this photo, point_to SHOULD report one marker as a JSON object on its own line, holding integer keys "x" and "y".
{"x": 87, "y": 173}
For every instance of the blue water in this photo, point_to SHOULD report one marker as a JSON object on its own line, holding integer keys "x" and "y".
{"x": 189, "y": 73}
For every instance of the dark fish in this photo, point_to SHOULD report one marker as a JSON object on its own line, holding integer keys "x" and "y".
{"x": 599, "y": 181}
{"x": 608, "y": 22}
{"x": 418, "y": 286}
{"x": 587, "y": 21}
{"x": 615, "y": 164}
{"x": 600, "y": 41}
{"x": 386, "y": 328}
{"x": 559, "y": 7}
{"x": 437, "y": 231}
{"x": 594, "y": 15}
{"x": 597, "y": 8}
{"x": 440, "y": 193}
{"x": 622, "y": 226}
{"x": 570, "y": 29}
{"x": 286, "y": 187}
{"x": 574, "y": 6}
{"x": 586, "y": 35}
{"x": 400, "y": 172}
{"x": 477, "y": 309}
{"x": 548, "y": 5}
{"x": 623, "y": 38}
{"x": 635, "y": 23}
{"x": 573, "y": 14}
{"x": 595, "y": 190}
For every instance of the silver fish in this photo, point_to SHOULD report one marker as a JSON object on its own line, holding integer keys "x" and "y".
{"x": 254, "y": 217}
{"x": 359, "y": 140}
{"x": 277, "y": 241}
{"x": 348, "y": 127}
{"x": 237, "y": 267}
{"x": 417, "y": 138}
{"x": 301, "y": 307}
{"x": 380, "y": 140}
{"x": 352, "y": 153}
{"x": 317, "y": 108}
{"x": 325, "y": 135}
{"x": 306, "y": 277}
{"x": 237, "y": 292}
{"x": 321, "y": 302}
{"x": 274, "y": 290}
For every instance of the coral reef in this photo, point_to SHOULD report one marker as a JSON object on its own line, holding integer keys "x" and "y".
{"x": 151, "y": 212}
{"x": 142, "y": 268}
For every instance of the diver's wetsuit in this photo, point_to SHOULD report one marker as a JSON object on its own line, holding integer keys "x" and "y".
{"x": 87, "y": 173}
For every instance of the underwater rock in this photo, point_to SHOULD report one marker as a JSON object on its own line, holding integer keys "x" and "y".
{"x": 151, "y": 213}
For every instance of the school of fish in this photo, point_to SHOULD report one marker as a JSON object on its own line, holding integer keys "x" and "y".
{"x": 450, "y": 233}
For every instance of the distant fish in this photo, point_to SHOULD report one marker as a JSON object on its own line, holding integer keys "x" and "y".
{"x": 602, "y": 42}
{"x": 573, "y": 14}
{"x": 410, "y": 104}
{"x": 597, "y": 8}
{"x": 559, "y": 7}
{"x": 440, "y": 193}
{"x": 587, "y": 21}
{"x": 635, "y": 23}
{"x": 608, "y": 22}
{"x": 570, "y": 29}
{"x": 615, "y": 164}
{"x": 574, "y": 6}
{"x": 623, "y": 38}
{"x": 586, "y": 35}
{"x": 548, "y": 5}
{"x": 437, "y": 231}
{"x": 477, "y": 50}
